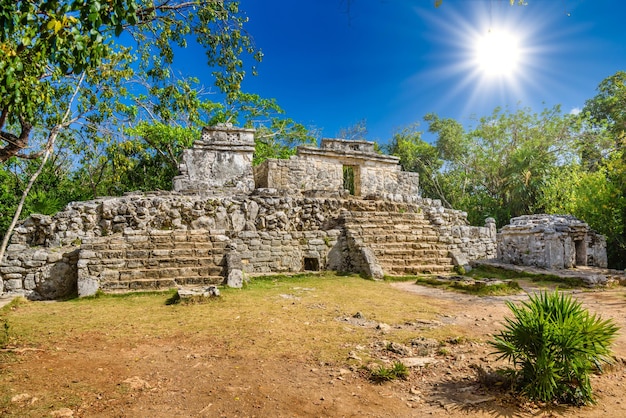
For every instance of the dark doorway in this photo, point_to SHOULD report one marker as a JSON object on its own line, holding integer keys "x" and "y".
{"x": 351, "y": 179}
{"x": 581, "y": 253}
{"x": 311, "y": 264}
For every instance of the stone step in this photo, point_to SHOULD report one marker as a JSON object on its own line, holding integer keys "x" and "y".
{"x": 403, "y": 245}
{"x": 384, "y": 215}
{"x": 147, "y": 246}
{"x": 175, "y": 253}
{"x": 384, "y": 238}
{"x": 158, "y": 263}
{"x": 174, "y": 273}
{"x": 394, "y": 234}
{"x": 407, "y": 261}
{"x": 166, "y": 283}
{"x": 410, "y": 253}
{"x": 417, "y": 269}
{"x": 370, "y": 224}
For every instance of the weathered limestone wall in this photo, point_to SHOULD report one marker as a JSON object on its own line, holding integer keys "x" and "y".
{"x": 321, "y": 169}
{"x": 220, "y": 162}
{"x": 551, "y": 241}
{"x": 145, "y": 241}
{"x": 295, "y": 176}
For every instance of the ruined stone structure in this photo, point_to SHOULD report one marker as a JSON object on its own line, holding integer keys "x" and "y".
{"x": 551, "y": 241}
{"x": 337, "y": 166}
{"x": 220, "y": 163}
{"x": 340, "y": 207}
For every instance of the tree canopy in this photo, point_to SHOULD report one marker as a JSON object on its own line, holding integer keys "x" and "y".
{"x": 520, "y": 162}
{"x": 45, "y": 45}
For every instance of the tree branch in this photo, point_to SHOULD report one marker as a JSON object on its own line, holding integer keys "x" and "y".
{"x": 52, "y": 136}
{"x": 15, "y": 143}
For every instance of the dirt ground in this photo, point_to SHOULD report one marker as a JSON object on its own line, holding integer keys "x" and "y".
{"x": 183, "y": 377}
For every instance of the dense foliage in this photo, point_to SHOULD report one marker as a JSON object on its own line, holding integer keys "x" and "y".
{"x": 522, "y": 162}
{"x": 554, "y": 345}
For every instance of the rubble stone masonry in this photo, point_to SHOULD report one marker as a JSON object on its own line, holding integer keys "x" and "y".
{"x": 224, "y": 219}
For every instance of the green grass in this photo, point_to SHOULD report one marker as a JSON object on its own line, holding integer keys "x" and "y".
{"x": 509, "y": 287}
{"x": 385, "y": 374}
{"x": 283, "y": 315}
{"x": 482, "y": 272}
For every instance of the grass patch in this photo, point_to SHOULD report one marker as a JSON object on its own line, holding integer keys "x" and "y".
{"x": 483, "y": 271}
{"x": 509, "y": 287}
{"x": 280, "y": 316}
{"x": 385, "y": 374}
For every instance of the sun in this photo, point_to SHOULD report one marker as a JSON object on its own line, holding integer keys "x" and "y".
{"x": 497, "y": 53}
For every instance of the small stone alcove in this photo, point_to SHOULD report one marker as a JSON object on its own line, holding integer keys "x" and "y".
{"x": 311, "y": 264}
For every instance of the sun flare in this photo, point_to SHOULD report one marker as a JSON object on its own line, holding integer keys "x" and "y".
{"x": 497, "y": 53}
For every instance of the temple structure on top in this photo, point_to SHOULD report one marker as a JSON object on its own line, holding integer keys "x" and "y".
{"x": 339, "y": 165}
{"x": 220, "y": 163}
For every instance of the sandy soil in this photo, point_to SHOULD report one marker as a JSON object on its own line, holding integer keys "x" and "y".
{"x": 184, "y": 377}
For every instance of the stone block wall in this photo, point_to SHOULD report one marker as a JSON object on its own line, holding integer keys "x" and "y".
{"x": 551, "y": 241}
{"x": 220, "y": 162}
{"x": 294, "y": 176}
{"x": 376, "y": 180}
{"x": 39, "y": 272}
{"x": 151, "y": 259}
{"x": 284, "y": 251}
{"x": 322, "y": 170}
{"x": 161, "y": 239}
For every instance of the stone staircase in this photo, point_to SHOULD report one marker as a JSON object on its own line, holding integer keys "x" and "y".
{"x": 144, "y": 260}
{"x": 403, "y": 243}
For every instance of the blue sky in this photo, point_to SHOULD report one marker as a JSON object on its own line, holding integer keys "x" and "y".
{"x": 391, "y": 62}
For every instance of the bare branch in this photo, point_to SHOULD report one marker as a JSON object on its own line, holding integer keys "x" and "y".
{"x": 52, "y": 136}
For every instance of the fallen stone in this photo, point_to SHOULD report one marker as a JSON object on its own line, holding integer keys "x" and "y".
{"x": 235, "y": 279}
{"x": 373, "y": 268}
{"x": 136, "y": 383}
{"x": 418, "y": 361}
{"x": 383, "y": 327}
{"x": 21, "y": 398}
{"x": 398, "y": 348}
{"x": 63, "y": 412}
{"x": 211, "y": 291}
{"x": 424, "y": 346}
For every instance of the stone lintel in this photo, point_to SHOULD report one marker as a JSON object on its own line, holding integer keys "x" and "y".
{"x": 223, "y": 146}
{"x": 307, "y": 151}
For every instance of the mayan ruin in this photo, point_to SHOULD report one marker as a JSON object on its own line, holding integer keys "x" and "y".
{"x": 340, "y": 207}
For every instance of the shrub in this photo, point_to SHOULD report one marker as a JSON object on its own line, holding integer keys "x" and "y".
{"x": 385, "y": 374}
{"x": 554, "y": 345}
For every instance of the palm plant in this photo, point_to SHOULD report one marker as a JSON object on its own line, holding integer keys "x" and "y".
{"x": 554, "y": 345}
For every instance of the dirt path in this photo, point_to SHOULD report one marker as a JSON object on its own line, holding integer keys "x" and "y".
{"x": 187, "y": 376}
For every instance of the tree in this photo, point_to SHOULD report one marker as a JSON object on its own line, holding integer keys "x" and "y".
{"x": 45, "y": 42}
{"x": 609, "y": 106}
{"x": 63, "y": 67}
{"x": 358, "y": 131}
{"x": 498, "y": 168}
{"x": 421, "y": 157}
